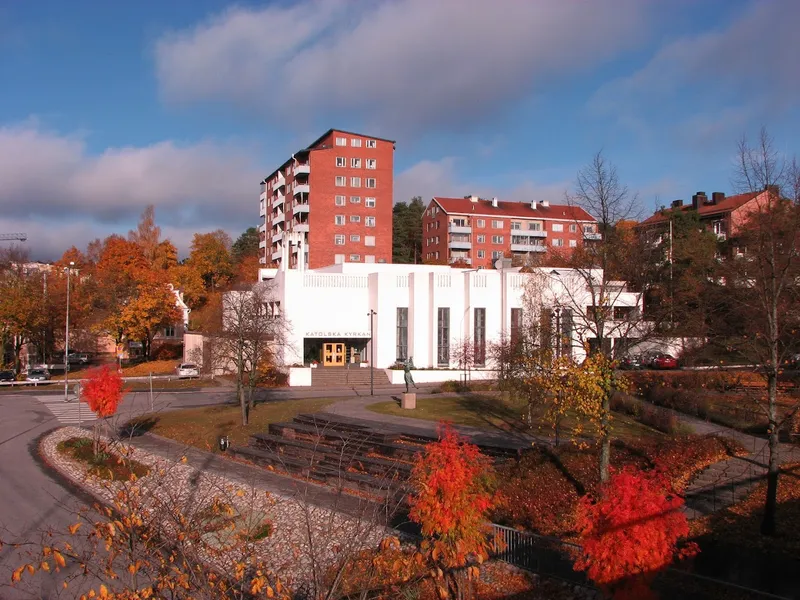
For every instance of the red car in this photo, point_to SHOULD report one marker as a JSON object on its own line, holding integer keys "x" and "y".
{"x": 664, "y": 361}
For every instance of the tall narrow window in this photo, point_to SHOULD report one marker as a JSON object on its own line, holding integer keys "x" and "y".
{"x": 402, "y": 333}
{"x": 516, "y": 323}
{"x": 479, "y": 337}
{"x": 443, "y": 337}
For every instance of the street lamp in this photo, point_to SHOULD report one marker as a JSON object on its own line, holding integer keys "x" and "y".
{"x": 371, "y": 314}
{"x": 557, "y": 313}
{"x": 66, "y": 338}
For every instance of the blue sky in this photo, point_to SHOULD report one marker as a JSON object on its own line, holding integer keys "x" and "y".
{"x": 108, "y": 106}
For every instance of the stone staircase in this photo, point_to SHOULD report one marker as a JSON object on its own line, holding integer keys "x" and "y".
{"x": 724, "y": 483}
{"x": 342, "y": 377}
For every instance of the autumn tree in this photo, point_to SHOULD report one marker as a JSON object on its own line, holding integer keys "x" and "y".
{"x": 453, "y": 493}
{"x": 631, "y": 532}
{"x": 102, "y": 391}
{"x": 210, "y": 258}
{"x": 760, "y": 292}
{"x": 22, "y": 309}
{"x": 151, "y": 309}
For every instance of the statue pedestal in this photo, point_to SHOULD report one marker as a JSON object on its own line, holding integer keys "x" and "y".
{"x": 408, "y": 401}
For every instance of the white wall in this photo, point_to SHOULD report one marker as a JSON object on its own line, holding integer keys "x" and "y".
{"x": 397, "y": 376}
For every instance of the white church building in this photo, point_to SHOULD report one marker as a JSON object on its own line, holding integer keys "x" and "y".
{"x": 350, "y": 313}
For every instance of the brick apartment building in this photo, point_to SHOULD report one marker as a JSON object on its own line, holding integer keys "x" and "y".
{"x": 477, "y": 231}
{"x": 337, "y": 193}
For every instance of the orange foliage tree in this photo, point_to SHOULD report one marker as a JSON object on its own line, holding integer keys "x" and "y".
{"x": 453, "y": 485}
{"x": 631, "y": 532}
{"x": 102, "y": 391}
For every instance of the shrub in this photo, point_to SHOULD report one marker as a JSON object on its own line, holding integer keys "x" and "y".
{"x": 168, "y": 352}
{"x": 104, "y": 463}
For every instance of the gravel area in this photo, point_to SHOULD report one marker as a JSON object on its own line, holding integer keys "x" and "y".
{"x": 305, "y": 539}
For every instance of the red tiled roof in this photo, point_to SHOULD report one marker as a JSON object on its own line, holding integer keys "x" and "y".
{"x": 465, "y": 206}
{"x": 727, "y": 205}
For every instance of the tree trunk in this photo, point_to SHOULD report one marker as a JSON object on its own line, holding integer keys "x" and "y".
{"x": 243, "y": 405}
{"x": 605, "y": 433}
{"x": 768, "y": 522}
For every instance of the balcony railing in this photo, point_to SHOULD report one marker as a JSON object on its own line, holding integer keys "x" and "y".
{"x": 452, "y": 228}
{"x": 457, "y": 245}
{"x": 465, "y": 259}
{"x": 301, "y": 227}
{"x": 262, "y": 260}
{"x": 278, "y": 200}
{"x": 279, "y": 218}
{"x": 277, "y": 237}
{"x": 592, "y": 235}
{"x": 300, "y": 208}
{"x": 302, "y": 169}
{"x": 279, "y": 182}
{"x": 263, "y": 195}
{"x": 303, "y": 188}
{"x": 262, "y": 244}
{"x": 528, "y": 248}
{"x": 262, "y": 209}
{"x": 276, "y": 254}
{"x": 262, "y": 228}
{"x": 537, "y": 233}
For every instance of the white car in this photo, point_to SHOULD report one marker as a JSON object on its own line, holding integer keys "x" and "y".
{"x": 188, "y": 370}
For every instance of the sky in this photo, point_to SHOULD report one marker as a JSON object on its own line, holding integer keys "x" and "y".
{"x": 106, "y": 107}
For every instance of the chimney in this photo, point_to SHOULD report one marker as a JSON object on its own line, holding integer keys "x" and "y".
{"x": 717, "y": 197}
{"x": 533, "y": 204}
{"x": 699, "y": 199}
{"x": 494, "y": 202}
{"x": 545, "y": 203}
{"x": 471, "y": 198}
{"x": 677, "y": 203}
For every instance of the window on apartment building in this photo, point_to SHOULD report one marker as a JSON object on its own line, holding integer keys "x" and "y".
{"x": 169, "y": 331}
{"x": 370, "y": 221}
{"x": 355, "y": 199}
{"x": 458, "y": 222}
{"x": 341, "y": 161}
{"x": 355, "y": 258}
{"x": 340, "y": 200}
{"x": 480, "y": 223}
{"x": 355, "y": 142}
{"x": 338, "y": 259}
{"x": 535, "y": 226}
{"x": 370, "y": 203}
{"x": 338, "y": 240}
{"x": 341, "y": 181}
{"x": 369, "y": 240}
{"x": 481, "y": 239}
{"x": 573, "y": 228}
{"x": 355, "y": 238}
{"x": 372, "y": 163}
{"x": 558, "y": 242}
{"x": 371, "y": 182}
{"x": 497, "y": 224}
{"x": 520, "y": 239}
{"x": 497, "y": 239}
{"x": 573, "y": 243}
{"x": 355, "y": 182}
{"x": 372, "y": 144}
{"x": 516, "y": 225}
{"x": 516, "y": 324}
{"x": 481, "y": 253}
{"x": 338, "y": 220}
{"x": 340, "y": 141}
{"x": 355, "y": 218}
{"x": 558, "y": 227}
{"x": 402, "y": 333}
{"x": 443, "y": 336}
{"x": 497, "y": 254}
{"x": 479, "y": 336}
{"x": 436, "y": 255}
{"x": 355, "y": 163}
{"x": 370, "y": 258}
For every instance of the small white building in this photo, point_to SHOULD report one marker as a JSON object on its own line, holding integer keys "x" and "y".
{"x": 420, "y": 311}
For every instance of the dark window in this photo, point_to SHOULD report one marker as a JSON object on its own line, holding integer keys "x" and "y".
{"x": 402, "y": 333}
{"x": 169, "y": 331}
{"x": 623, "y": 312}
{"x": 566, "y": 332}
{"x": 516, "y": 323}
{"x": 480, "y": 336}
{"x": 443, "y": 337}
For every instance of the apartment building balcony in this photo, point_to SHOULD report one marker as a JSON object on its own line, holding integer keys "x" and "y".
{"x": 279, "y": 218}
{"x": 278, "y": 200}
{"x": 300, "y": 208}
{"x": 262, "y": 244}
{"x": 303, "y": 188}
{"x": 592, "y": 235}
{"x": 301, "y": 227}
{"x": 534, "y": 233}
{"x": 459, "y": 245}
{"x": 276, "y": 254}
{"x": 461, "y": 259}
{"x": 262, "y": 228}
{"x": 528, "y": 248}
{"x": 302, "y": 169}
{"x": 262, "y": 260}
{"x": 263, "y": 196}
{"x": 277, "y": 237}
{"x": 459, "y": 229}
{"x": 262, "y": 209}
{"x": 279, "y": 182}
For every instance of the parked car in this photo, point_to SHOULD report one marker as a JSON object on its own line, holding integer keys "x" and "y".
{"x": 188, "y": 370}
{"x": 664, "y": 361}
{"x": 631, "y": 362}
{"x": 38, "y": 375}
{"x": 79, "y": 358}
{"x": 7, "y": 376}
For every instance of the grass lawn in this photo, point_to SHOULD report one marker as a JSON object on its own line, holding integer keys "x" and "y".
{"x": 201, "y": 427}
{"x": 491, "y": 412}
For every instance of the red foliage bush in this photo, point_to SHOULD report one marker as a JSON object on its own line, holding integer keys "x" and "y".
{"x": 631, "y": 532}
{"x": 102, "y": 391}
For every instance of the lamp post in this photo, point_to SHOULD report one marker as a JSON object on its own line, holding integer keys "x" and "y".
{"x": 66, "y": 338}
{"x": 371, "y": 314}
{"x": 557, "y": 313}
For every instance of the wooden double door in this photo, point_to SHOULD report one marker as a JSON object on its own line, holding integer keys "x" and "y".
{"x": 334, "y": 354}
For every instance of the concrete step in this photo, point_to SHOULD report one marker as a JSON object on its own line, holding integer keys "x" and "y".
{"x": 341, "y": 377}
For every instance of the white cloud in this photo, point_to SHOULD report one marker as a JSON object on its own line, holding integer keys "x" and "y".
{"x": 400, "y": 63}
{"x": 59, "y": 194}
{"x": 723, "y": 76}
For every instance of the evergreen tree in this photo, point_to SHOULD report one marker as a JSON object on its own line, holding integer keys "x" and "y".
{"x": 407, "y": 231}
{"x": 246, "y": 245}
